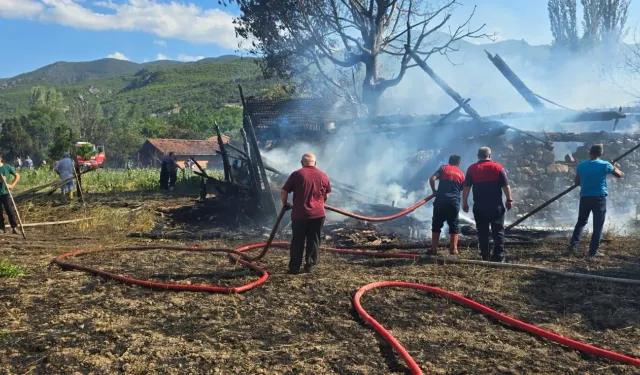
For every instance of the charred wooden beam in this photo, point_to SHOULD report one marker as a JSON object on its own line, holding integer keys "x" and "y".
{"x": 215, "y": 182}
{"x": 516, "y": 82}
{"x": 254, "y": 179}
{"x": 595, "y": 116}
{"x": 440, "y": 82}
{"x": 236, "y": 149}
{"x": 225, "y": 157}
{"x": 270, "y": 204}
{"x": 453, "y": 115}
{"x": 199, "y": 166}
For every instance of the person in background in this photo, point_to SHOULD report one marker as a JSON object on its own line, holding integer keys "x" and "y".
{"x": 310, "y": 187}
{"x": 591, "y": 175}
{"x": 64, "y": 168}
{"x": 18, "y": 163}
{"x": 447, "y": 203}
{"x": 168, "y": 172}
{"x": 28, "y": 163}
{"x": 5, "y": 200}
{"x": 488, "y": 180}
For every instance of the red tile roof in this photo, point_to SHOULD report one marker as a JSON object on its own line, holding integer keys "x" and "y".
{"x": 187, "y": 146}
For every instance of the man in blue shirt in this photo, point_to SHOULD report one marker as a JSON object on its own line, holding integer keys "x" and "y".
{"x": 591, "y": 175}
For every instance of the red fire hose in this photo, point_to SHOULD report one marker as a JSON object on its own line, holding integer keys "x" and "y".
{"x": 413, "y": 366}
{"x": 383, "y": 218}
{"x": 241, "y": 258}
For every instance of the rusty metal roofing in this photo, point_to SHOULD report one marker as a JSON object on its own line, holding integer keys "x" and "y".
{"x": 187, "y": 146}
{"x": 292, "y": 114}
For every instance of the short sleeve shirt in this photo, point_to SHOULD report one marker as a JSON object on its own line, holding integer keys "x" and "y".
{"x": 593, "y": 177}
{"x": 450, "y": 186}
{"x": 487, "y": 179}
{"x": 310, "y": 187}
{"x": 6, "y": 171}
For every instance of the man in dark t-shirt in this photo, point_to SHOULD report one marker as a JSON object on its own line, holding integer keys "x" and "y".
{"x": 489, "y": 181}
{"x": 447, "y": 203}
{"x": 6, "y": 173}
{"x": 310, "y": 187}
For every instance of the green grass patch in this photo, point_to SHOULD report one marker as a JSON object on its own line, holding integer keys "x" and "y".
{"x": 115, "y": 180}
{"x": 9, "y": 270}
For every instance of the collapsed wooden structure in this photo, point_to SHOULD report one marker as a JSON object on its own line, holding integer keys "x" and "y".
{"x": 279, "y": 123}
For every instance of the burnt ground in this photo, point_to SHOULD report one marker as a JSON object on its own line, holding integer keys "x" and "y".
{"x": 55, "y": 322}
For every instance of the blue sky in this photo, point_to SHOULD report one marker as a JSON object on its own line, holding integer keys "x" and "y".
{"x": 39, "y": 32}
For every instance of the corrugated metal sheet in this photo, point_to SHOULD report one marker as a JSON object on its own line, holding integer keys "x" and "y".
{"x": 290, "y": 114}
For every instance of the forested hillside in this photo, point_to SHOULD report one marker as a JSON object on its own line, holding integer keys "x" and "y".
{"x": 120, "y": 103}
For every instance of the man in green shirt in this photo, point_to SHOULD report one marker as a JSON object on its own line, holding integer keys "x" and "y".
{"x": 5, "y": 200}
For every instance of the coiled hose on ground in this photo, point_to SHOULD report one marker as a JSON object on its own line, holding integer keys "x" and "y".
{"x": 239, "y": 256}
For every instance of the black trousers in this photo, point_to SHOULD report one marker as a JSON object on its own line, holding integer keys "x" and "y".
{"x": 173, "y": 177}
{"x": 444, "y": 211}
{"x": 309, "y": 231}
{"x": 494, "y": 218}
{"x": 5, "y": 203}
{"x": 164, "y": 179}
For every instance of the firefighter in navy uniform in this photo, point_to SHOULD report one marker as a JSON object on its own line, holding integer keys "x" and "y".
{"x": 489, "y": 181}
{"x": 447, "y": 203}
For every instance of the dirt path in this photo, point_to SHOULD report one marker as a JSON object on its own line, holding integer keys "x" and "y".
{"x": 56, "y": 322}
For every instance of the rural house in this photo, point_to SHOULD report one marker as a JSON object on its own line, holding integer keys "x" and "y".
{"x": 204, "y": 151}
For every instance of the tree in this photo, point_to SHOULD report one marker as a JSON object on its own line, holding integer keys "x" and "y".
{"x": 40, "y": 124}
{"x": 61, "y": 141}
{"x": 339, "y": 39}
{"x": 47, "y": 97}
{"x": 562, "y": 16}
{"x": 614, "y": 19}
{"x": 604, "y": 21}
{"x": 86, "y": 120}
{"x": 14, "y": 139}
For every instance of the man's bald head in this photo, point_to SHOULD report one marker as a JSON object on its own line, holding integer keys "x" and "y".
{"x": 308, "y": 160}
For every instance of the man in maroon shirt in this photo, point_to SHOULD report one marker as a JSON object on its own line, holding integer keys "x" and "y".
{"x": 310, "y": 187}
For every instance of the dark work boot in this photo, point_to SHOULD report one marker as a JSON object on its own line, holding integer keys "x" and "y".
{"x": 14, "y": 231}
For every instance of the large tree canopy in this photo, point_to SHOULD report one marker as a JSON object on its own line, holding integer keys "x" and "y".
{"x": 603, "y": 21}
{"x": 343, "y": 41}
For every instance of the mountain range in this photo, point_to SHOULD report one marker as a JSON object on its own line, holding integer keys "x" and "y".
{"x": 574, "y": 80}
{"x": 154, "y": 86}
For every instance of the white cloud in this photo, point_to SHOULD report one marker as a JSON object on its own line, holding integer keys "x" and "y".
{"x": 187, "y": 58}
{"x": 116, "y": 55}
{"x": 185, "y": 21}
{"x": 161, "y": 57}
{"x": 20, "y": 8}
{"x": 161, "y": 43}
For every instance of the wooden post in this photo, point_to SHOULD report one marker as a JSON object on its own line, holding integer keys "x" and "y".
{"x": 225, "y": 157}
{"x": 263, "y": 174}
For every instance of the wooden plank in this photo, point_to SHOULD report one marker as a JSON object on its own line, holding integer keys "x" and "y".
{"x": 251, "y": 135}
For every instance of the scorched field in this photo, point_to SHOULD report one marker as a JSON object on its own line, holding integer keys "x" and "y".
{"x": 57, "y": 322}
